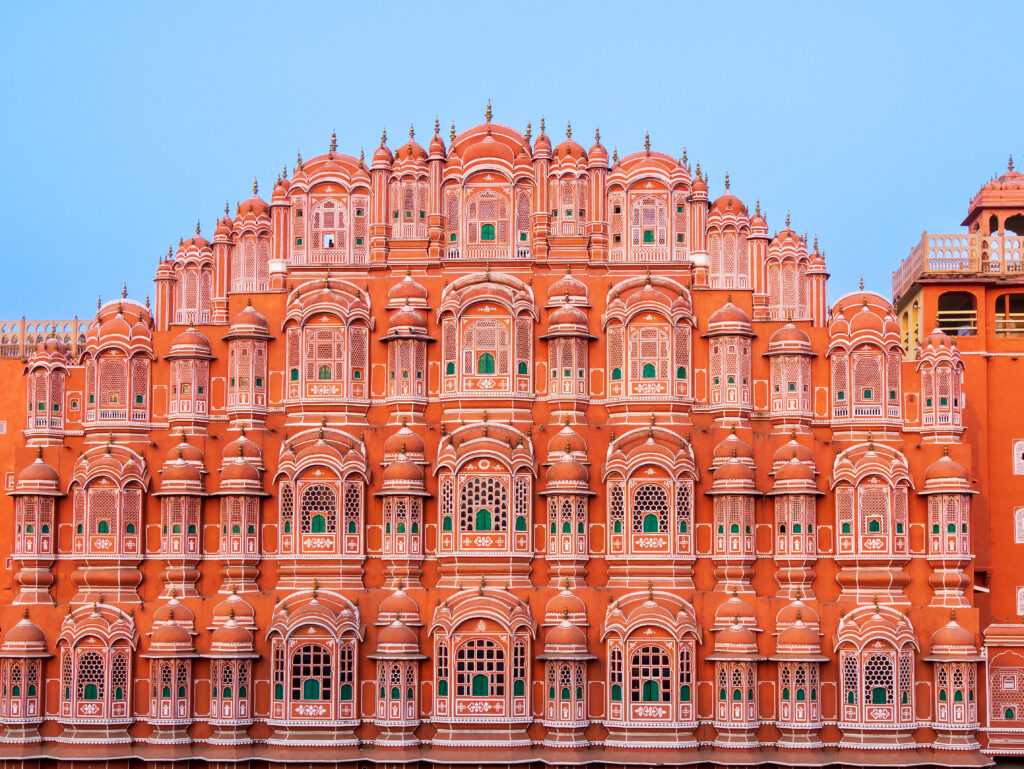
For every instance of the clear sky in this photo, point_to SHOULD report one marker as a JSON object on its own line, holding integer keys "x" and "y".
{"x": 123, "y": 123}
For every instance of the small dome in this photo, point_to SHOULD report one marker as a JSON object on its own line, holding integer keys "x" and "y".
{"x": 25, "y": 637}
{"x": 953, "y": 634}
{"x": 255, "y": 205}
{"x": 790, "y": 339}
{"x": 567, "y": 472}
{"x": 938, "y": 339}
{"x": 597, "y": 153}
{"x": 735, "y": 639}
{"x": 568, "y": 315}
{"x": 233, "y": 607}
{"x": 382, "y": 155}
{"x": 170, "y": 636}
{"x": 565, "y": 634}
{"x": 729, "y": 204}
{"x": 567, "y": 441}
{"x": 38, "y": 476}
{"x": 407, "y": 288}
{"x": 728, "y": 315}
{"x": 397, "y": 634}
{"x": 398, "y": 604}
{"x": 239, "y": 470}
{"x": 542, "y": 142}
{"x": 180, "y": 472}
{"x": 243, "y": 447}
{"x": 945, "y": 468}
{"x": 186, "y": 452}
{"x": 405, "y": 441}
{"x": 565, "y": 603}
{"x": 791, "y": 450}
{"x": 403, "y": 473}
{"x": 733, "y": 471}
{"x": 230, "y": 637}
{"x": 569, "y": 149}
{"x": 437, "y": 145}
{"x": 794, "y": 470}
{"x": 567, "y": 286}
{"x": 733, "y": 447}
{"x": 407, "y": 317}
{"x": 799, "y": 635}
{"x": 249, "y": 320}
{"x": 190, "y": 342}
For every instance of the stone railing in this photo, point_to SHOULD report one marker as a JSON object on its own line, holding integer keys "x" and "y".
{"x": 949, "y": 256}
{"x": 19, "y": 338}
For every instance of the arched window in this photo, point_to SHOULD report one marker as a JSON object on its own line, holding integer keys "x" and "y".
{"x": 311, "y": 674}
{"x": 957, "y": 313}
{"x": 480, "y": 669}
{"x": 484, "y": 503}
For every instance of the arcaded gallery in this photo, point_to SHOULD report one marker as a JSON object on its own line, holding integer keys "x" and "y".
{"x": 504, "y": 451}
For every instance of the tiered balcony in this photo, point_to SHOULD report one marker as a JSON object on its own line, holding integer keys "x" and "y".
{"x": 960, "y": 255}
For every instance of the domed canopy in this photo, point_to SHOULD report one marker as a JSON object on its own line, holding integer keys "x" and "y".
{"x": 729, "y": 320}
{"x": 231, "y": 640}
{"x": 732, "y": 448}
{"x": 953, "y": 642}
{"x": 171, "y": 640}
{"x": 397, "y": 641}
{"x": 38, "y": 479}
{"x": 789, "y": 340}
{"x": 733, "y": 478}
{"x": 249, "y": 324}
{"x": 190, "y": 343}
{"x": 946, "y": 476}
{"x": 25, "y": 639}
{"x": 567, "y": 475}
{"x": 398, "y": 605}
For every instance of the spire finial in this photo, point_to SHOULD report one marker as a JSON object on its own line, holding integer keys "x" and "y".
{"x": 650, "y": 590}
{"x": 861, "y": 282}
{"x": 383, "y": 137}
{"x": 362, "y": 156}
{"x": 541, "y": 125}
{"x": 727, "y": 180}
{"x": 334, "y": 141}
{"x": 597, "y": 134}
{"x": 437, "y": 126}
{"x": 698, "y": 170}
{"x": 255, "y": 187}
{"x": 1010, "y": 164}
{"x": 647, "y": 143}
{"x": 787, "y": 220}
{"x": 197, "y": 226}
{"x": 568, "y": 130}
{"x": 298, "y": 167}
{"x": 685, "y": 162}
{"x": 488, "y": 114}
{"x": 815, "y": 244}
{"x": 529, "y": 131}
{"x": 412, "y": 131}
{"x": 124, "y": 291}
{"x": 452, "y": 134}
{"x": 757, "y": 208}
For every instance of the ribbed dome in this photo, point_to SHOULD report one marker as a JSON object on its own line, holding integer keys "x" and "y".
{"x": 945, "y": 468}
{"x": 397, "y": 634}
{"x": 565, "y": 634}
{"x": 39, "y": 475}
{"x": 567, "y": 471}
{"x": 190, "y": 342}
{"x": 403, "y": 472}
{"x": 169, "y": 637}
{"x": 397, "y": 604}
{"x": 729, "y": 204}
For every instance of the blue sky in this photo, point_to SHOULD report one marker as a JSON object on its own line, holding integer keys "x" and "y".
{"x": 124, "y": 123}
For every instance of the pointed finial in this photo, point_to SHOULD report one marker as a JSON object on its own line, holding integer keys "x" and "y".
{"x": 529, "y": 131}
{"x": 757, "y": 208}
{"x": 124, "y": 291}
{"x": 452, "y": 134}
{"x": 685, "y": 162}
{"x": 412, "y": 131}
{"x": 197, "y": 226}
{"x": 1010, "y": 164}
{"x": 862, "y": 282}
{"x": 698, "y": 170}
{"x": 815, "y": 244}
{"x": 334, "y": 142}
{"x": 615, "y": 156}
{"x": 362, "y": 156}
{"x": 541, "y": 125}
{"x": 255, "y": 187}
{"x": 383, "y": 137}
{"x": 597, "y": 134}
{"x": 650, "y": 590}
{"x": 945, "y": 450}
{"x": 298, "y": 166}
{"x": 568, "y": 130}
{"x": 727, "y": 180}
{"x": 99, "y": 301}
{"x": 437, "y": 126}
{"x": 316, "y": 587}
{"x": 487, "y": 114}
{"x": 787, "y": 220}
{"x": 647, "y": 143}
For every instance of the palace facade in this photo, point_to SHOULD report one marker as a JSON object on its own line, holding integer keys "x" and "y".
{"x": 500, "y": 452}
